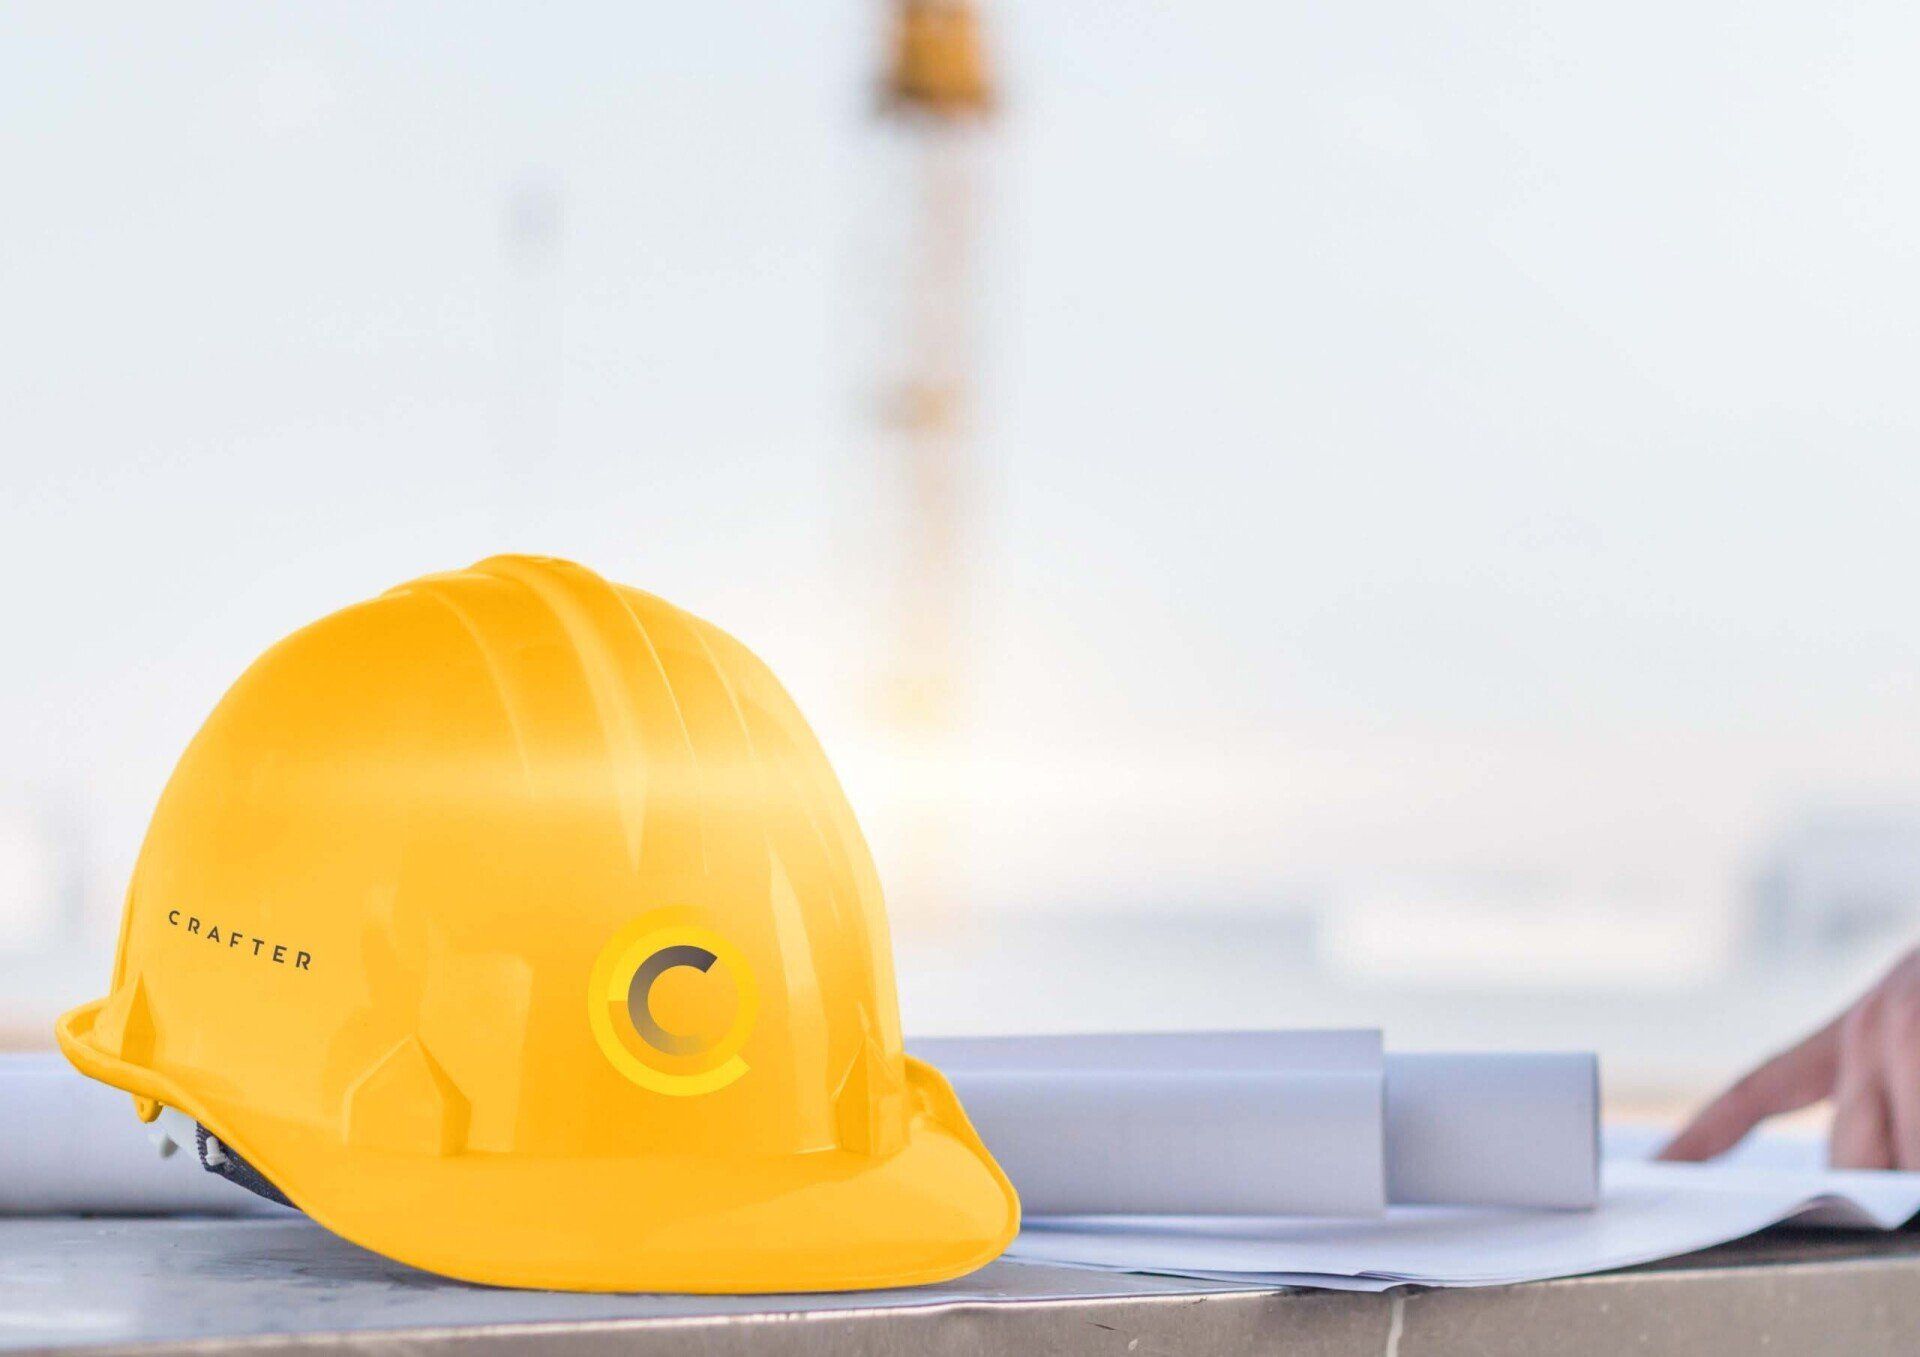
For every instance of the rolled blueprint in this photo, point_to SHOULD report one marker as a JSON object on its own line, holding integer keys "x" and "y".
{"x": 1274, "y": 1123}
{"x": 1086, "y": 1130}
{"x": 73, "y": 1146}
{"x": 1502, "y": 1129}
{"x": 1227, "y": 1123}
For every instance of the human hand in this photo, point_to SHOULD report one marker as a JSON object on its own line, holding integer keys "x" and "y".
{"x": 1867, "y": 1061}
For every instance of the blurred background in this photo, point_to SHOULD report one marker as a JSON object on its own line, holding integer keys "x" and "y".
{"x": 1298, "y": 514}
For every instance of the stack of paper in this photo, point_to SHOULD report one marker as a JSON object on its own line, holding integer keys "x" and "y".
{"x": 1302, "y": 1123}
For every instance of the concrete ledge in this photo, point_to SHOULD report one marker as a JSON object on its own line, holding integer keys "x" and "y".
{"x": 230, "y": 1287}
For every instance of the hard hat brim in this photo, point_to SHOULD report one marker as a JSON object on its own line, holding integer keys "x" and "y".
{"x": 830, "y": 1220}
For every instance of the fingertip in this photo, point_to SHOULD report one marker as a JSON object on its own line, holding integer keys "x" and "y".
{"x": 1715, "y": 1129}
{"x": 1690, "y": 1147}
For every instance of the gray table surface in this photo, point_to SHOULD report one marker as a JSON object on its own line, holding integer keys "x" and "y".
{"x": 283, "y": 1286}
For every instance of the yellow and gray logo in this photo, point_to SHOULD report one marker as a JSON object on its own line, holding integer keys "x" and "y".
{"x": 671, "y": 1004}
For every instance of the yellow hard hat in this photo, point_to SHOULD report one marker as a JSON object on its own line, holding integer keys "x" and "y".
{"x": 513, "y": 925}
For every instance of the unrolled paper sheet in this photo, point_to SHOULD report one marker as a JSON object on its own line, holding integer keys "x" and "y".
{"x": 1649, "y": 1211}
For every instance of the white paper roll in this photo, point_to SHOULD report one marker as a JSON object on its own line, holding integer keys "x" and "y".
{"x": 1493, "y": 1129}
{"x": 1229, "y": 1123}
{"x": 1234, "y": 1123}
{"x": 1274, "y": 1123}
{"x": 74, "y": 1146}
{"x": 1150, "y": 1143}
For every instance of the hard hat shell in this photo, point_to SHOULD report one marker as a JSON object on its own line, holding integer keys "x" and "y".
{"x": 514, "y": 925}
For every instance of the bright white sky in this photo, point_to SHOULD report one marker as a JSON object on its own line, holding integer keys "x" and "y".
{"x": 1481, "y": 437}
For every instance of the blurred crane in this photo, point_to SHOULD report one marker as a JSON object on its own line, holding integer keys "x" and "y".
{"x": 937, "y": 95}
{"x": 936, "y": 100}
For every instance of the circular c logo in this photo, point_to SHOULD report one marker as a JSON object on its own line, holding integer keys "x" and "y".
{"x": 671, "y": 1003}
